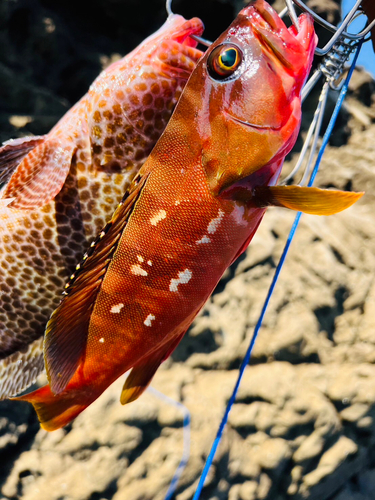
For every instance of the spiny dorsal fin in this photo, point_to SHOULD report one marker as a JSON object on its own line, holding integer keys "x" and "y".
{"x": 40, "y": 175}
{"x": 309, "y": 200}
{"x": 12, "y": 153}
{"x": 66, "y": 332}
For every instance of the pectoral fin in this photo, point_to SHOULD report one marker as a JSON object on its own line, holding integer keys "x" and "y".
{"x": 142, "y": 373}
{"x": 12, "y": 153}
{"x": 309, "y": 200}
{"x": 40, "y": 174}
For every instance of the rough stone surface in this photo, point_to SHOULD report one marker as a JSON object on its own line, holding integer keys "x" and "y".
{"x": 303, "y": 425}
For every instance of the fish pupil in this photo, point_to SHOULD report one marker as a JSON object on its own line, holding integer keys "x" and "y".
{"x": 228, "y": 58}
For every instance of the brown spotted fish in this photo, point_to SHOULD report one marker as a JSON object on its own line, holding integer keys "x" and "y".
{"x": 60, "y": 189}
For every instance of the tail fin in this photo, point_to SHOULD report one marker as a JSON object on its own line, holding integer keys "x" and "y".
{"x": 53, "y": 411}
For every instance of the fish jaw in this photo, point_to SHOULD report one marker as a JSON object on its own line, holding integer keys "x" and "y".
{"x": 250, "y": 118}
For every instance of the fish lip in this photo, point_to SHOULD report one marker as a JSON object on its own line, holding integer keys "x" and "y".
{"x": 251, "y": 125}
{"x": 274, "y": 36}
{"x": 181, "y": 37}
{"x": 268, "y": 16}
{"x": 190, "y": 27}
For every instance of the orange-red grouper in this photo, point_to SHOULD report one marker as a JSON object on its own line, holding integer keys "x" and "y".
{"x": 62, "y": 188}
{"x": 193, "y": 208}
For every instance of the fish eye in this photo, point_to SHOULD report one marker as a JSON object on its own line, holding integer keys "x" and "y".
{"x": 224, "y": 60}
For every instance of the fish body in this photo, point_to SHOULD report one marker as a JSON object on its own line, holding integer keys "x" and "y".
{"x": 60, "y": 189}
{"x": 192, "y": 209}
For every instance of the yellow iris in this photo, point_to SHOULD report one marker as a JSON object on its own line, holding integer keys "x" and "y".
{"x": 224, "y": 60}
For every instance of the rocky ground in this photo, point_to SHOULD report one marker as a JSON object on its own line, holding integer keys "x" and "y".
{"x": 303, "y": 425}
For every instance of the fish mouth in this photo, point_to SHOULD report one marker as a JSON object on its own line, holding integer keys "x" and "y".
{"x": 291, "y": 47}
{"x": 179, "y": 44}
{"x": 188, "y": 28}
{"x": 252, "y": 125}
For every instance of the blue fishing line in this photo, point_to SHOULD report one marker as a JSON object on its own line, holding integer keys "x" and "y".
{"x": 186, "y": 439}
{"x": 246, "y": 359}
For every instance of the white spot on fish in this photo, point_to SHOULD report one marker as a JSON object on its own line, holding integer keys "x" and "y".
{"x": 149, "y": 262}
{"x": 215, "y": 223}
{"x": 183, "y": 277}
{"x": 137, "y": 270}
{"x": 238, "y": 215}
{"x": 205, "y": 239}
{"x": 140, "y": 258}
{"x": 148, "y": 321}
{"x": 177, "y": 203}
{"x": 117, "y": 308}
{"x": 101, "y": 340}
{"x": 162, "y": 214}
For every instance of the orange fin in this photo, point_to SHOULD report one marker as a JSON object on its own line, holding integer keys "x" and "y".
{"x": 309, "y": 200}
{"x": 12, "y": 153}
{"x": 139, "y": 379}
{"x": 53, "y": 411}
{"x": 142, "y": 373}
{"x": 66, "y": 332}
{"x": 40, "y": 175}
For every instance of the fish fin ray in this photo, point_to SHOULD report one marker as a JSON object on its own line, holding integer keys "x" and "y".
{"x": 309, "y": 200}
{"x": 66, "y": 333}
{"x": 13, "y": 152}
{"x": 20, "y": 369}
{"x": 40, "y": 175}
{"x": 142, "y": 373}
{"x": 53, "y": 411}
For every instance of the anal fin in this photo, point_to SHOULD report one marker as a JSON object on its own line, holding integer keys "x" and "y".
{"x": 309, "y": 200}
{"x": 142, "y": 373}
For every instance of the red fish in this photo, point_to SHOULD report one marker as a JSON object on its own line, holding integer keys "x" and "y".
{"x": 63, "y": 187}
{"x": 190, "y": 212}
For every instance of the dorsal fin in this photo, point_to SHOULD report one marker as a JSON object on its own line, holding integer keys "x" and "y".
{"x": 40, "y": 175}
{"x": 66, "y": 332}
{"x": 12, "y": 153}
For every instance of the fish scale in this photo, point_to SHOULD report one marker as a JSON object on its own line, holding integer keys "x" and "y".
{"x": 44, "y": 234}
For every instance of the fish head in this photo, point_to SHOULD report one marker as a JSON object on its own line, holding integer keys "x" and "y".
{"x": 247, "y": 88}
{"x": 174, "y": 52}
{"x": 143, "y": 87}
